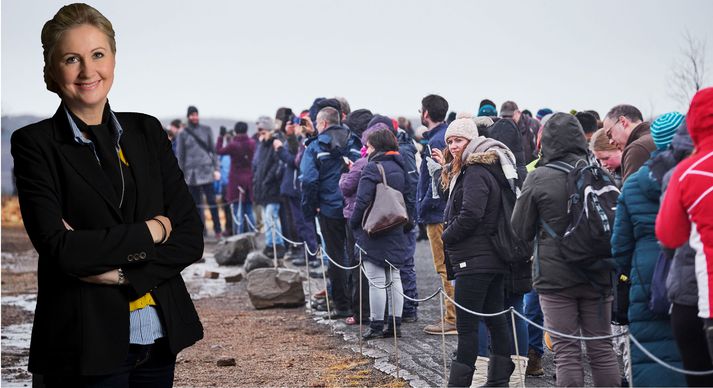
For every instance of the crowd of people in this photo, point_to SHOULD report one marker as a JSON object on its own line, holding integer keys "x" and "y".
{"x": 456, "y": 173}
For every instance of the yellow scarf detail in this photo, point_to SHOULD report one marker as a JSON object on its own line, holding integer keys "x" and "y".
{"x": 138, "y": 304}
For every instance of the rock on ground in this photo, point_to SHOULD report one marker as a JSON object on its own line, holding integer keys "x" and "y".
{"x": 257, "y": 260}
{"x": 275, "y": 287}
{"x": 234, "y": 250}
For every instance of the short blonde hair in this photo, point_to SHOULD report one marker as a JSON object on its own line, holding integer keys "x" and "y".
{"x": 600, "y": 142}
{"x": 68, "y": 17}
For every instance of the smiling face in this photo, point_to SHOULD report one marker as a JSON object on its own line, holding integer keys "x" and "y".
{"x": 83, "y": 68}
{"x": 456, "y": 144}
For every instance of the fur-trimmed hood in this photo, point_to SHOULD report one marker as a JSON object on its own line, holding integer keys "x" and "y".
{"x": 487, "y": 157}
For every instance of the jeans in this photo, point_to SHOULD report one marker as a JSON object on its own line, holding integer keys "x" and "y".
{"x": 408, "y": 276}
{"x": 240, "y": 210}
{"x": 435, "y": 231}
{"x": 334, "y": 234}
{"x": 380, "y": 276}
{"x": 516, "y": 301}
{"x": 305, "y": 227}
{"x": 480, "y": 293}
{"x": 533, "y": 312}
{"x": 146, "y": 366}
{"x": 353, "y": 255}
{"x": 271, "y": 218}
{"x": 569, "y": 311}
{"x": 209, "y": 190}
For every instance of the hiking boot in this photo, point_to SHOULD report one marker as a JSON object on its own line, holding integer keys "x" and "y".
{"x": 436, "y": 328}
{"x": 409, "y": 318}
{"x": 389, "y": 332}
{"x": 534, "y": 363}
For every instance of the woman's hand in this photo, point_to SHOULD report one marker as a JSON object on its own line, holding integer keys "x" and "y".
{"x": 110, "y": 278}
{"x": 437, "y": 155}
{"x": 159, "y": 234}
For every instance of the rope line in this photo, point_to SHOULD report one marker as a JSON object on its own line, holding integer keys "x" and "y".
{"x": 510, "y": 310}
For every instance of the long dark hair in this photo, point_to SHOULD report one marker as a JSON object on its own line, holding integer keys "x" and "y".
{"x": 383, "y": 140}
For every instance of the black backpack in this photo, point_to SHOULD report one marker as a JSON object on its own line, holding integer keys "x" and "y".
{"x": 591, "y": 208}
{"x": 508, "y": 245}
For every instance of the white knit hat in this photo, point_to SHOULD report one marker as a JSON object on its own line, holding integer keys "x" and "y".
{"x": 463, "y": 126}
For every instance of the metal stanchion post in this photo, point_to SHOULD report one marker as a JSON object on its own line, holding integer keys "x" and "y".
{"x": 393, "y": 314}
{"x": 443, "y": 341}
{"x": 326, "y": 294}
{"x": 240, "y": 211}
{"x": 309, "y": 282}
{"x": 627, "y": 345}
{"x": 517, "y": 350}
{"x": 361, "y": 308}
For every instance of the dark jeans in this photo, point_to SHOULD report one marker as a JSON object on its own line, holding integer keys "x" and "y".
{"x": 146, "y": 366}
{"x": 353, "y": 255}
{"x": 516, "y": 301}
{"x": 481, "y": 293}
{"x": 335, "y": 234}
{"x": 228, "y": 214}
{"x": 305, "y": 227}
{"x": 691, "y": 340}
{"x": 408, "y": 276}
{"x": 209, "y": 192}
{"x": 533, "y": 312}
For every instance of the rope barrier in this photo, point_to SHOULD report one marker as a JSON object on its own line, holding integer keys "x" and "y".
{"x": 510, "y": 310}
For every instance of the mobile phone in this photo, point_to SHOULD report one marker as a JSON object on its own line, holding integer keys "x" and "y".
{"x": 429, "y": 149}
{"x": 347, "y": 161}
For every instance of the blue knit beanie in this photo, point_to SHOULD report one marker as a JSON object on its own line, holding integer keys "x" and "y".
{"x": 543, "y": 112}
{"x": 664, "y": 127}
{"x": 487, "y": 110}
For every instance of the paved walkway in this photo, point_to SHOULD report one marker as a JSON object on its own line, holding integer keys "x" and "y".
{"x": 420, "y": 355}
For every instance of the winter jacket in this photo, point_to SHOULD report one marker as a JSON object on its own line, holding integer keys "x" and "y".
{"x": 471, "y": 215}
{"x": 197, "y": 163}
{"x": 638, "y": 149}
{"x": 290, "y": 185}
{"x": 686, "y": 213}
{"x": 528, "y": 132}
{"x": 543, "y": 197}
{"x": 407, "y": 149}
{"x": 430, "y": 205}
{"x": 268, "y": 174}
{"x": 321, "y": 167}
{"x": 391, "y": 245}
{"x": 348, "y": 184}
{"x": 635, "y": 249}
{"x": 507, "y": 132}
{"x": 241, "y": 150}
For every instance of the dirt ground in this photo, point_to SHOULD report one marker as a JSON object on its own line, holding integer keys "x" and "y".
{"x": 276, "y": 347}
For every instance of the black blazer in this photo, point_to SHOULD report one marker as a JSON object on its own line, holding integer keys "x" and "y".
{"x": 83, "y": 328}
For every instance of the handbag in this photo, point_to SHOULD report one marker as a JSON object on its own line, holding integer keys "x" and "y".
{"x": 387, "y": 212}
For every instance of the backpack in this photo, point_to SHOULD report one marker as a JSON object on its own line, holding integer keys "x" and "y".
{"x": 508, "y": 245}
{"x": 591, "y": 208}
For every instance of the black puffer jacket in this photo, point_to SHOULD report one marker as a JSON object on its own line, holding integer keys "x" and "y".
{"x": 544, "y": 196}
{"x": 268, "y": 174}
{"x": 471, "y": 217}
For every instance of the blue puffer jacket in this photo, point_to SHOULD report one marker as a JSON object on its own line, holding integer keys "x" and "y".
{"x": 290, "y": 185}
{"x": 321, "y": 167}
{"x": 430, "y": 210}
{"x": 634, "y": 246}
{"x": 391, "y": 245}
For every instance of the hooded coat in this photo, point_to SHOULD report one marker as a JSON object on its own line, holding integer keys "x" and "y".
{"x": 686, "y": 213}
{"x": 636, "y": 250}
{"x": 471, "y": 216}
{"x": 197, "y": 163}
{"x": 543, "y": 197}
{"x": 391, "y": 245}
{"x": 508, "y": 133}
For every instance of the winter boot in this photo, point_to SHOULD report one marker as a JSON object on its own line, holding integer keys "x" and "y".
{"x": 500, "y": 369}
{"x": 461, "y": 375}
{"x": 534, "y": 363}
{"x": 375, "y": 330}
{"x": 389, "y": 332}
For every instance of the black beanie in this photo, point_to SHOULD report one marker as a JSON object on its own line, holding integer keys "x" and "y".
{"x": 241, "y": 127}
{"x": 358, "y": 120}
{"x": 191, "y": 109}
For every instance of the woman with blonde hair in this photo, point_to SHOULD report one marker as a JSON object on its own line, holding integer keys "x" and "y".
{"x": 106, "y": 207}
{"x": 607, "y": 154}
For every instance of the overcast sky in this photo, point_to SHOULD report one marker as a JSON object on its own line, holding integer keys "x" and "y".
{"x": 241, "y": 59}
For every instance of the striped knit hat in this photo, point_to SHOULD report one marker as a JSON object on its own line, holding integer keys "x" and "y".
{"x": 664, "y": 127}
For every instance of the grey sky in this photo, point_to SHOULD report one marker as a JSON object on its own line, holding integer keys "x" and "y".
{"x": 243, "y": 59}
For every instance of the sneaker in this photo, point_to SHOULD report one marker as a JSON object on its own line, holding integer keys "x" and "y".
{"x": 338, "y": 314}
{"x": 321, "y": 294}
{"x": 534, "y": 364}
{"x": 298, "y": 261}
{"x": 436, "y": 328}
